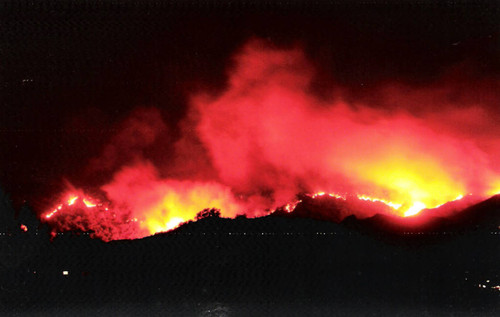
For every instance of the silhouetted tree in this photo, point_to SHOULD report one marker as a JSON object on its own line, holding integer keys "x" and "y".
{"x": 208, "y": 213}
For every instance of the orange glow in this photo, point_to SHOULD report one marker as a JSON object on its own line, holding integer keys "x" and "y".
{"x": 388, "y": 203}
{"x": 162, "y": 205}
{"x": 321, "y": 194}
{"x": 266, "y": 136}
{"x": 495, "y": 189}
{"x": 414, "y": 209}
{"x": 88, "y": 203}
{"x": 399, "y": 208}
{"x": 291, "y": 206}
{"x": 408, "y": 182}
{"x": 141, "y": 204}
{"x": 72, "y": 200}
{"x": 173, "y": 223}
{"x": 268, "y": 122}
{"x": 24, "y": 228}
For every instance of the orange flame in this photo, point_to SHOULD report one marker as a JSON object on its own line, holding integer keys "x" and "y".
{"x": 388, "y": 203}
{"x": 267, "y": 136}
{"x": 88, "y": 203}
{"x": 291, "y": 206}
{"x": 414, "y": 209}
{"x": 72, "y": 200}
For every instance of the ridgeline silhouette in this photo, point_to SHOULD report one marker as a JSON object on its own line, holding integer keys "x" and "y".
{"x": 278, "y": 264}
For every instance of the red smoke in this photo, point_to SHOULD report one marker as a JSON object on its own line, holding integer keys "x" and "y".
{"x": 268, "y": 136}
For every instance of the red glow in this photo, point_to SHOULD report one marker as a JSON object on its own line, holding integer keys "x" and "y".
{"x": 267, "y": 136}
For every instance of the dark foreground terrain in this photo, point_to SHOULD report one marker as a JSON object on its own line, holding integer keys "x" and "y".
{"x": 271, "y": 266}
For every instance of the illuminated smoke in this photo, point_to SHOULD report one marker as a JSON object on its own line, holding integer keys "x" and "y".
{"x": 267, "y": 136}
{"x": 161, "y": 204}
{"x": 268, "y": 132}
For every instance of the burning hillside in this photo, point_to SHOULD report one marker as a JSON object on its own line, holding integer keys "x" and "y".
{"x": 267, "y": 136}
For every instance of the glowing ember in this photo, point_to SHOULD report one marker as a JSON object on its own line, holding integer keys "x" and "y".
{"x": 24, "y": 228}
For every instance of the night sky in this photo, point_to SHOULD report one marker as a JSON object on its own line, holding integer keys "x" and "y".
{"x": 71, "y": 71}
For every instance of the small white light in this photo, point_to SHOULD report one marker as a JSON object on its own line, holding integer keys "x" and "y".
{"x": 65, "y": 272}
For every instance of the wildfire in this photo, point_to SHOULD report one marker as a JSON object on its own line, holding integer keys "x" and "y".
{"x": 88, "y": 203}
{"x": 172, "y": 204}
{"x": 53, "y": 212}
{"x": 173, "y": 223}
{"x": 414, "y": 209}
{"x": 321, "y": 194}
{"x": 291, "y": 206}
{"x": 394, "y": 206}
{"x": 267, "y": 136}
{"x": 70, "y": 202}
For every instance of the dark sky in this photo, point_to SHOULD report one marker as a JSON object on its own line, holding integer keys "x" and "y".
{"x": 71, "y": 71}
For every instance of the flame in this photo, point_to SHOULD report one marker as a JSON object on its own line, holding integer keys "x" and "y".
{"x": 177, "y": 206}
{"x": 24, "y": 228}
{"x": 267, "y": 136}
{"x": 291, "y": 206}
{"x": 173, "y": 223}
{"x": 72, "y": 200}
{"x": 160, "y": 204}
{"x": 399, "y": 208}
{"x": 394, "y": 206}
{"x": 53, "y": 212}
{"x": 414, "y": 209}
{"x": 88, "y": 203}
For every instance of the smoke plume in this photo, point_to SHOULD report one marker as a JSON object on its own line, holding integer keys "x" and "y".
{"x": 268, "y": 136}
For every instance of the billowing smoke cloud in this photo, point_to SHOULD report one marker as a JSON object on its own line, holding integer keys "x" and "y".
{"x": 268, "y": 132}
{"x": 267, "y": 136}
